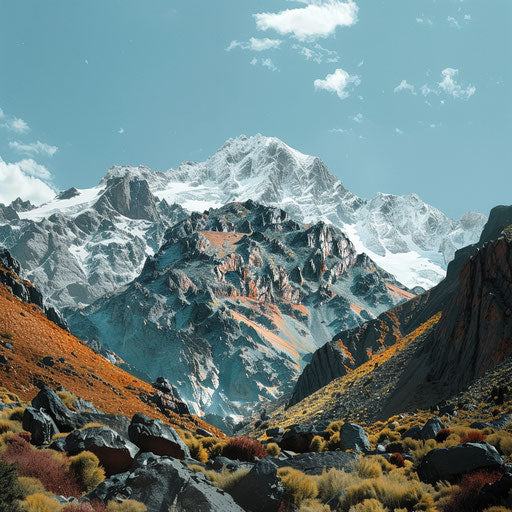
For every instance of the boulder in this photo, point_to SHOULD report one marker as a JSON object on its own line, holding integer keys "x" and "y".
{"x": 314, "y": 463}
{"x": 202, "y": 432}
{"x": 501, "y": 422}
{"x": 297, "y": 439}
{"x": 353, "y": 437}
{"x": 260, "y": 490}
{"x": 450, "y": 463}
{"x": 116, "y": 454}
{"x": 163, "y": 484}
{"x": 156, "y": 437}
{"x": 40, "y": 425}
{"x": 223, "y": 462}
{"x": 51, "y": 403}
{"x": 431, "y": 428}
{"x": 116, "y": 422}
{"x": 274, "y": 431}
{"x": 415, "y": 432}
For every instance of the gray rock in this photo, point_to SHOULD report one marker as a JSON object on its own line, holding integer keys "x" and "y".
{"x": 116, "y": 422}
{"x": 156, "y": 437}
{"x": 223, "y": 462}
{"x": 116, "y": 454}
{"x": 501, "y": 422}
{"x": 353, "y": 437}
{"x": 164, "y": 484}
{"x": 274, "y": 431}
{"x": 297, "y": 439}
{"x": 415, "y": 432}
{"x": 202, "y": 432}
{"x": 40, "y": 425}
{"x": 59, "y": 445}
{"x": 431, "y": 428}
{"x": 50, "y": 402}
{"x": 313, "y": 463}
{"x": 449, "y": 463}
{"x": 260, "y": 490}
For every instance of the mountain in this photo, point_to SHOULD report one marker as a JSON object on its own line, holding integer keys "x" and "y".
{"x": 434, "y": 345}
{"x": 99, "y": 238}
{"x": 34, "y": 350}
{"x": 234, "y": 301}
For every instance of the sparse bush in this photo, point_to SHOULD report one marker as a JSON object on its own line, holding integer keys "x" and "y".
{"x": 6, "y": 426}
{"x": 370, "y": 505}
{"x": 48, "y": 466}
{"x": 317, "y": 444}
{"x": 390, "y": 435}
{"x": 27, "y": 436}
{"x": 368, "y": 467}
{"x": 226, "y": 480}
{"x": 443, "y": 435}
{"x": 126, "y": 506}
{"x": 502, "y": 441}
{"x": 465, "y": 494}
{"x": 86, "y": 468}
{"x": 197, "y": 450}
{"x": 333, "y": 442}
{"x": 273, "y": 449}
{"x": 10, "y": 489}
{"x": 297, "y": 486}
{"x": 40, "y": 503}
{"x": 313, "y": 506}
{"x": 497, "y": 509}
{"x": 68, "y": 399}
{"x": 473, "y": 436}
{"x": 331, "y": 483}
{"x": 397, "y": 459}
{"x": 244, "y": 449}
{"x": 16, "y": 414}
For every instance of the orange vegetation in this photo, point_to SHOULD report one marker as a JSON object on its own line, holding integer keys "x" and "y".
{"x": 356, "y": 309}
{"x": 223, "y": 240}
{"x": 398, "y": 292}
{"x": 76, "y": 367}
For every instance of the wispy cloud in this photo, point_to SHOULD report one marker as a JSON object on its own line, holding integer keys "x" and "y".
{"x": 316, "y": 53}
{"x": 121, "y": 130}
{"x": 449, "y": 85}
{"x": 255, "y": 44}
{"x": 34, "y": 148}
{"x": 16, "y": 125}
{"x": 319, "y": 18}
{"x": 266, "y": 63}
{"x": 398, "y": 131}
{"x": 339, "y": 82}
{"x": 358, "y": 118}
{"x": 453, "y": 22}
{"x": 404, "y": 85}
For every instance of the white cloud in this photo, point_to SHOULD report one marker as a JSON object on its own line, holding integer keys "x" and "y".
{"x": 23, "y": 179}
{"x": 266, "y": 63}
{"x": 467, "y": 17}
{"x": 121, "y": 130}
{"x": 449, "y": 85}
{"x": 338, "y": 82}
{"x": 405, "y": 86}
{"x": 453, "y": 22}
{"x": 255, "y": 44}
{"x": 317, "y": 53}
{"x": 358, "y": 118}
{"x": 319, "y": 18}
{"x": 422, "y": 20}
{"x": 341, "y": 131}
{"x": 360, "y": 63}
{"x": 34, "y": 148}
{"x": 15, "y": 124}
{"x": 2, "y": 115}
{"x": 398, "y": 131}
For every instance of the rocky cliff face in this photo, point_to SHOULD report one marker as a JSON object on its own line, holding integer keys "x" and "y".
{"x": 473, "y": 335}
{"x": 233, "y": 301}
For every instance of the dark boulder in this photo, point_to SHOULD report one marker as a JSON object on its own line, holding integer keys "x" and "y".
{"x": 314, "y": 463}
{"x": 501, "y": 422}
{"x": 51, "y": 403}
{"x": 156, "y": 437}
{"x": 415, "y": 432}
{"x": 40, "y": 425}
{"x": 260, "y": 490}
{"x": 297, "y": 439}
{"x": 164, "y": 484}
{"x": 431, "y": 428}
{"x": 116, "y": 422}
{"x": 116, "y": 454}
{"x": 353, "y": 437}
{"x": 450, "y": 463}
{"x": 202, "y": 432}
{"x": 274, "y": 431}
{"x": 223, "y": 462}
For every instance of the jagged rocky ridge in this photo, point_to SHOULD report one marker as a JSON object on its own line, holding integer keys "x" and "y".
{"x": 234, "y": 300}
{"x": 472, "y": 336}
{"x": 98, "y": 238}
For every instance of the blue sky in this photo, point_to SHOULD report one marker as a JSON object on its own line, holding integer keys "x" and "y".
{"x": 395, "y": 96}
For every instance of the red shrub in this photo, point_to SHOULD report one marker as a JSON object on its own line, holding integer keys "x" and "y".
{"x": 473, "y": 436}
{"x": 244, "y": 449}
{"x": 443, "y": 435}
{"x": 470, "y": 485}
{"x": 26, "y": 435}
{"x": 397, "y": 459}
{"x": 53, "y": 473}
{"x": 496, "y": 411}
{"x": 95, "y": 506}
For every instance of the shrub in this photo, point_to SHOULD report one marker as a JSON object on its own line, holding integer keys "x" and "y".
{"x": 465, "y": 494}
{"x": 395, "y": 446}
{"x": 10, "y": 489}
{"x": 197, "y": 450}
{"x": 95, "y": 506}
{"x": 273, "y": 449}
{"x": 390, "y": 435}
{"x": 370, "y": 505}
{"x": 331, "y": 483}
{"x": 313, "y": 506}
{"x": 6, "y": 426}
{"x": 40, "y": 503}
{"x": 6, "y": 335}
{"x": 30, "y": 485}
{"x": 333, "y": 442}
{"x": 88, "y": 473}
{"x": 317, "y": 444}
{"x": 244, "y": 449}
{"x": 226, "y": 480}
{"x": 473, "y": 436}
{"x": 443, "y": 435}
{"x": 297, "y": 486}
{"x": 368, "y": 467}
{"x": 502, "y": 441}
{"x": 68, "y": 399}
{"x": 48, "y": 466}
{"x": 27, "y": 436}
{"x": 496, "y": 411}
{"x": 397, "y": 459}
{"x": 126, "y": 506}
{"x": 497, "y": 509}
{"x": 16, "y": 414}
